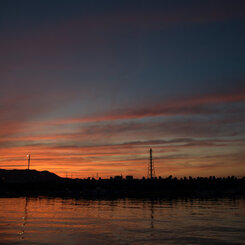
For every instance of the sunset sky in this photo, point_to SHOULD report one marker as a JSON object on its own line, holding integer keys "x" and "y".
{"x": 88, "y": 87}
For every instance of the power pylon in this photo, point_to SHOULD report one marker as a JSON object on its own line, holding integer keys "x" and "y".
{"x": 151, "y": 169}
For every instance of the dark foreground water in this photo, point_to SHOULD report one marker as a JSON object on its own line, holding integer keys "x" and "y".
{"x": 69, "y": 221}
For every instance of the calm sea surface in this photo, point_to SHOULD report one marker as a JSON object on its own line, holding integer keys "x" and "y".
{"x": 127, "y": 221}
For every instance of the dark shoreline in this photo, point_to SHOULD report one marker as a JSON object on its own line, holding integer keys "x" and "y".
{"x": 87, "y": 190}
{"x": 34, "y": 183}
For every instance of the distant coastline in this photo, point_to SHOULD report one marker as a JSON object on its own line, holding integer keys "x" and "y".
{"x": 44, "y": 183}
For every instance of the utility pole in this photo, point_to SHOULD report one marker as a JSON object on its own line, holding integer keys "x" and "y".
{"x": 151, "y": 163}
{"x": 29, "y": 160}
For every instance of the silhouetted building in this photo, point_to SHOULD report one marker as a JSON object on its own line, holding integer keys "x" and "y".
{"x": 118, "y": 177}
{"x": 129, "y": 177}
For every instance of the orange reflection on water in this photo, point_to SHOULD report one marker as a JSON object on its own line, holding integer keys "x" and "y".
{"x": 71, "y": 221}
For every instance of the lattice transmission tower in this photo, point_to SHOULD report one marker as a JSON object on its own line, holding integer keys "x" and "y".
{"x": 151, "y": 169}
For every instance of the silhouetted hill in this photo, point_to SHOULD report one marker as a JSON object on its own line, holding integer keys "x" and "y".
{"x": 27, "y": 176}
